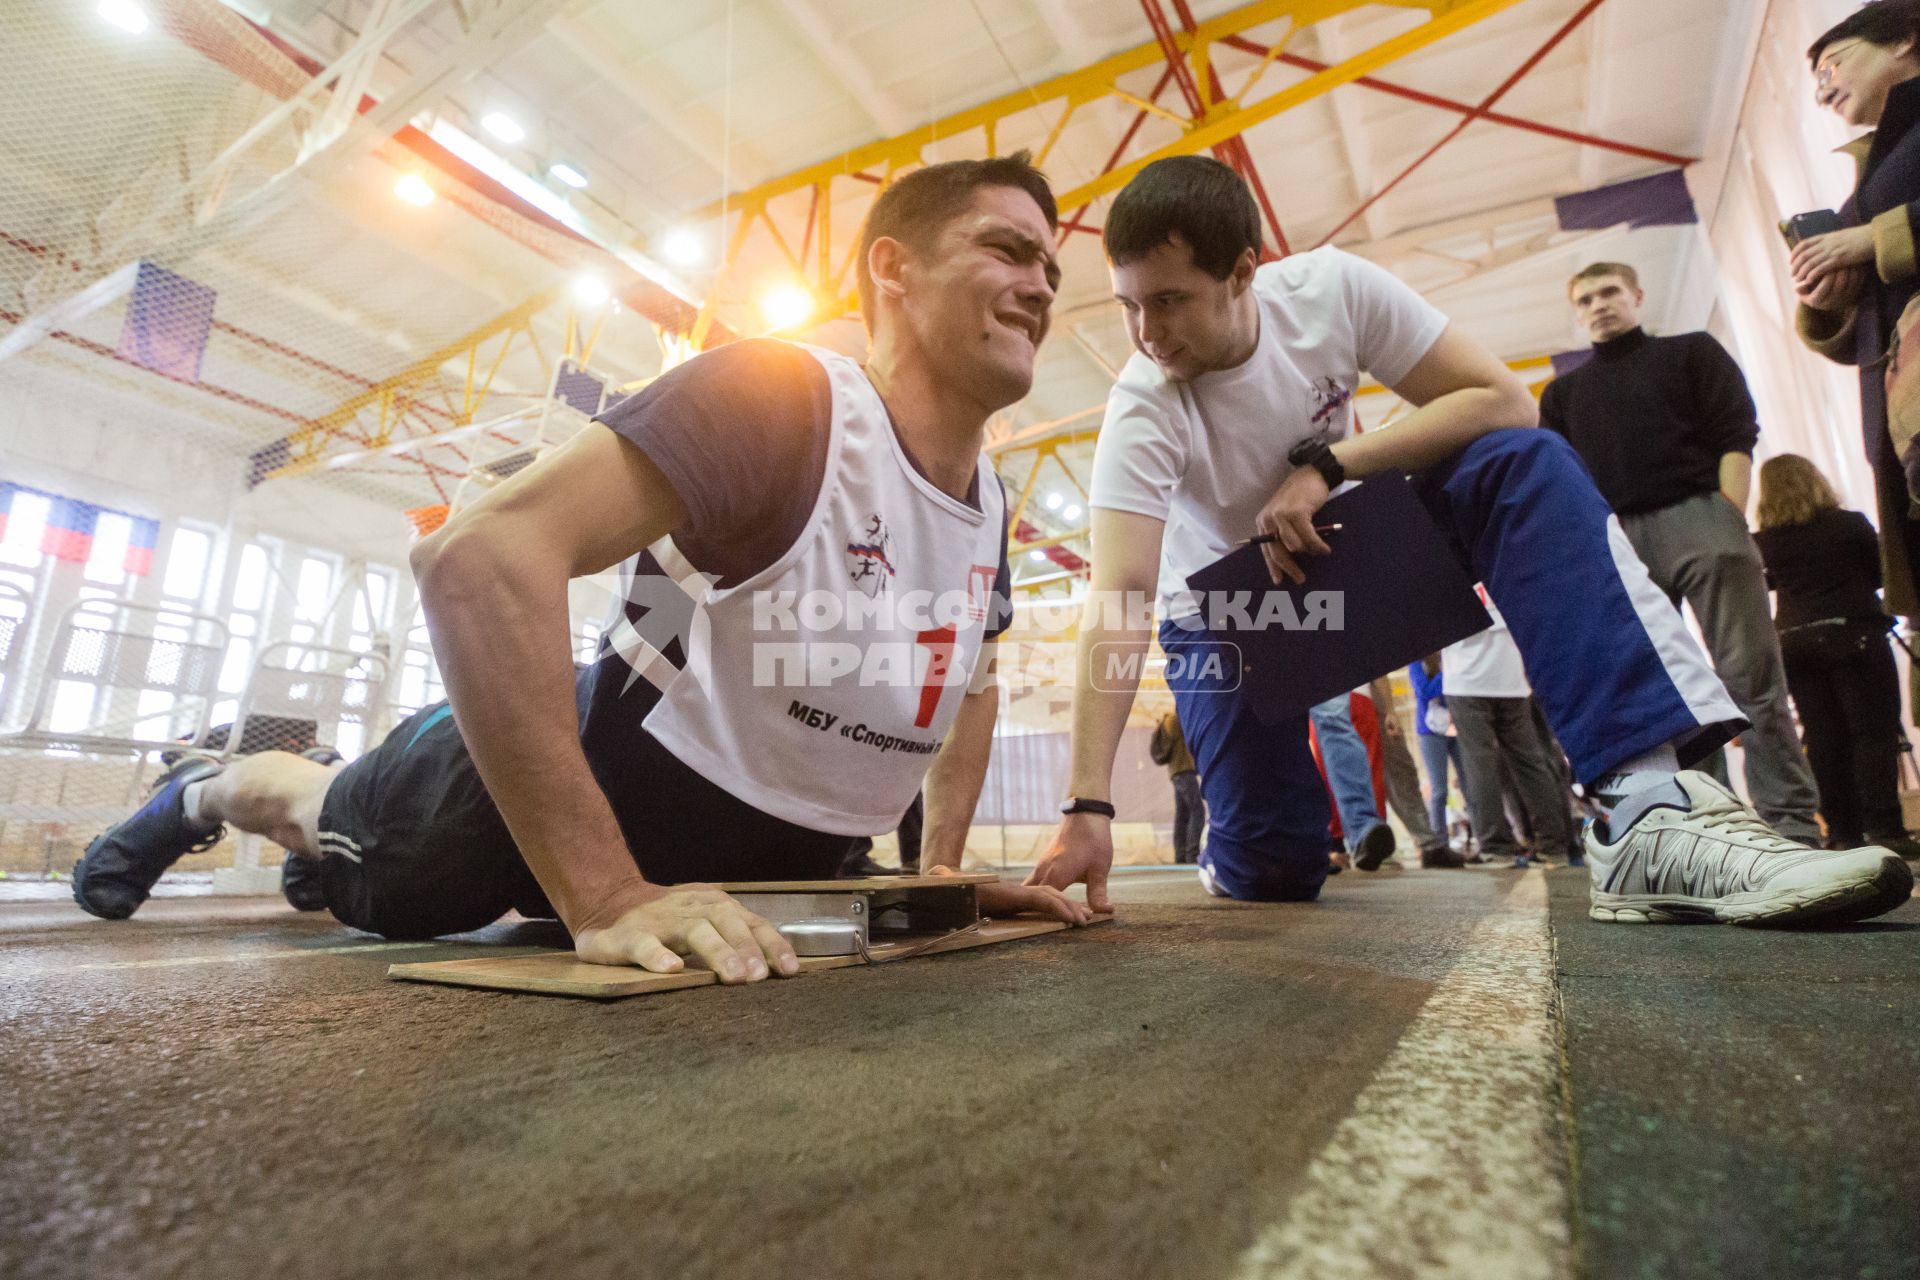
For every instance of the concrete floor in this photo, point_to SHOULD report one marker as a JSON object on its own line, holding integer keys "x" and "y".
{"x": 1373, "y": 1086}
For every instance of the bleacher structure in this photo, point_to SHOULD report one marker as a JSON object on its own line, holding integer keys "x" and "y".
{"x": 120, "y": 687}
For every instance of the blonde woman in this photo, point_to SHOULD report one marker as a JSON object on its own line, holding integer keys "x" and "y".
{"x": 1824, "y": 564}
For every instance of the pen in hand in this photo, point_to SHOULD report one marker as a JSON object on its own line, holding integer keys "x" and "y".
{"x": 1261, "y": 539}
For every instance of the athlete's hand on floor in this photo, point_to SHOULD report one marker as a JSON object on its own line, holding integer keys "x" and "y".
{"x": 1004, "y": 898}
{"x": 1288, "y": 518}
{"x": 695, "y": 921}
{"x": 1082, "y": 851}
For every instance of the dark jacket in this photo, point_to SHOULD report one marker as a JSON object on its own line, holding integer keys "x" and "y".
{"x": 1828, "y": 567}
{"x": 1887, "y": 198}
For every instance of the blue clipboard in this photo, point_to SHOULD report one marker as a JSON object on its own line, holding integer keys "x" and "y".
{"x": 1400, "y": 590}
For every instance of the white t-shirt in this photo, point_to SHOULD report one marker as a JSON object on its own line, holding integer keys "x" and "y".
{"x": 1206, "y": 455}
{"x": 1485, "y": 665}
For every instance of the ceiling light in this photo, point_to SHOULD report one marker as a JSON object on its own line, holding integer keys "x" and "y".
{"x": 503, "y": 126}
{"x": 569, "y": 175}
{"x": 1053, "y": 501}
{"x": 1072, "y": 512}
{"x": 786, "y": 306}
{"x": 414, "y": 190}
{"x": 1036, "y": 555}
{"x": 683, "y": 248}
{"x": 124, "y": 14}
{"x": 590, "y": 290}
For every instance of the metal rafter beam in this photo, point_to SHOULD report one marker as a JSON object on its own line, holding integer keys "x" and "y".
{"x": 1520, "y": 73}
{"x": 1462, "y": 108}
{"x": 1226, "y": 120}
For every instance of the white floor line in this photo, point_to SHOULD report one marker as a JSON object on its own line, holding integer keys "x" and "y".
{"x": 227, "y": 957}
{"x": 1452, "y": 1162}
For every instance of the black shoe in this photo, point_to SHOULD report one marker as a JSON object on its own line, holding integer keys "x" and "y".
{"x": 124, "y": 861}
{"x": 1374, "y": 848}
{"x": 1441, "y": 856}
{"x": 1901, "y": 843}
{"x": 864, "y": 866}
{"x": 300, "y": 883}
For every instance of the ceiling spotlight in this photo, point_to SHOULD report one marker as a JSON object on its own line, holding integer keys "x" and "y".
{"x": 569, "y": 175}
{"x": 1037, "y": 555}
{"x": 1072, "y": 512}
{"x": 786, "y": 306}
{"x": 503, "y": 126}
{"x": 1053, "y": 501}
{"x": 124, "y": 14}
{"x": 414, "y": 190}
{"x": 590, "y": 290}
{"x": 683, "y": 248}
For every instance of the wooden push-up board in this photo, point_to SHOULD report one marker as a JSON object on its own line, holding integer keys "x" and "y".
{"x": 558, "y": 973}
{"x": 934, "y": 914}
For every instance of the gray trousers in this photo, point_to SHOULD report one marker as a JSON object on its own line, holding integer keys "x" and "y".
{"x": 1403, "y": 792}
{"x": 1699, "y": 550}
{"x": 1189, "y": 816}
{"x": 1497, "y": 733}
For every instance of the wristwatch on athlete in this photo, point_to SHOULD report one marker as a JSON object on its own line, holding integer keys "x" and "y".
{"x": 1075, "y": 804}
{"x": 1318, "y": 454}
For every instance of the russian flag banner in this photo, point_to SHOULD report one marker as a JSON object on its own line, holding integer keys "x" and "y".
{"x": 141, "y": 543}
{"x": 69, "y": 534}
{"x": 6, "y": 505}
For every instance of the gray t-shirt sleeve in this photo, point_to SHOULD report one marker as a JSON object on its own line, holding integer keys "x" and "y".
{"x": 741, "y": 433}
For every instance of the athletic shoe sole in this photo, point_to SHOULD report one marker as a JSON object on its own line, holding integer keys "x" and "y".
{"x": 1860, "y": 897}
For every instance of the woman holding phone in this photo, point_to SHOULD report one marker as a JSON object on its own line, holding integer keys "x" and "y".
{"x": 1853, "y": 283}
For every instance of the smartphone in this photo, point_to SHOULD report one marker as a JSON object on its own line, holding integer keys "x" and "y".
{"x": 1804, "y": 226}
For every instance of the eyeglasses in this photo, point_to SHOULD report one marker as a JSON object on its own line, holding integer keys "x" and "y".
{"x": 1823, "y": 74}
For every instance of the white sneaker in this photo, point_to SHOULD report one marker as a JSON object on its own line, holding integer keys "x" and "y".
{"x": 1207, "y": 881}
{"x": 1695, "y": 851}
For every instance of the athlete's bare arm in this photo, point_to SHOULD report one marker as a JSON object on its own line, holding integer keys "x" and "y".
{"x": 1115, "y": 630}
{"x": 1460, "y": 393}
{"x": 953, "y": 792}
{"x": 494, "y": 584}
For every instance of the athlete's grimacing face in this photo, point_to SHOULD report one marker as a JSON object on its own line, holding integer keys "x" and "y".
{"x": 1177, "y": 315}
{"x": 981, "y": 300}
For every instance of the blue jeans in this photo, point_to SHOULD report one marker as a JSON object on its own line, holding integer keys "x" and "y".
{"x": 1349, "y": 771}
{"x": 1436, "y": 749}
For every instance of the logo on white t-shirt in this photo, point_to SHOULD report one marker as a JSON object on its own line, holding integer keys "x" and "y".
{"x": 1327, "y": 398}
{"x": 867, "y": 560}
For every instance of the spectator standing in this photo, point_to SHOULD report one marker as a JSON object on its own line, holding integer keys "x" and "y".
{"x": 1432, "y": 730}
{"x": 1349, "y": 772}
{"x": 1668, "y": 429}
{"x": 1403, "y": 783}
{"x": 1169, "y": 747}
{"x": 1824, "y": 564}
{"x": 1853, "y": 284}
{"x": 1491, "y": 705}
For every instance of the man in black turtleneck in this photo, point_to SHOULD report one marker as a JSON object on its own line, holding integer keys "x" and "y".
{"x": 1668, "y": 429}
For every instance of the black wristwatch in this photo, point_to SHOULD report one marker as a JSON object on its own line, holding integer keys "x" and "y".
{"x": 1075, "y": 804}
{"x": 1318, "y": 454}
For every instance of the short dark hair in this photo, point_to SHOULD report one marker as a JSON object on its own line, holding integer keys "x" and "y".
{"x": 1600, "y": 271}
{"x": 1882, "y": 22}
{"x": 1196, "y": 198}
{"x": 916, "y": 208}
